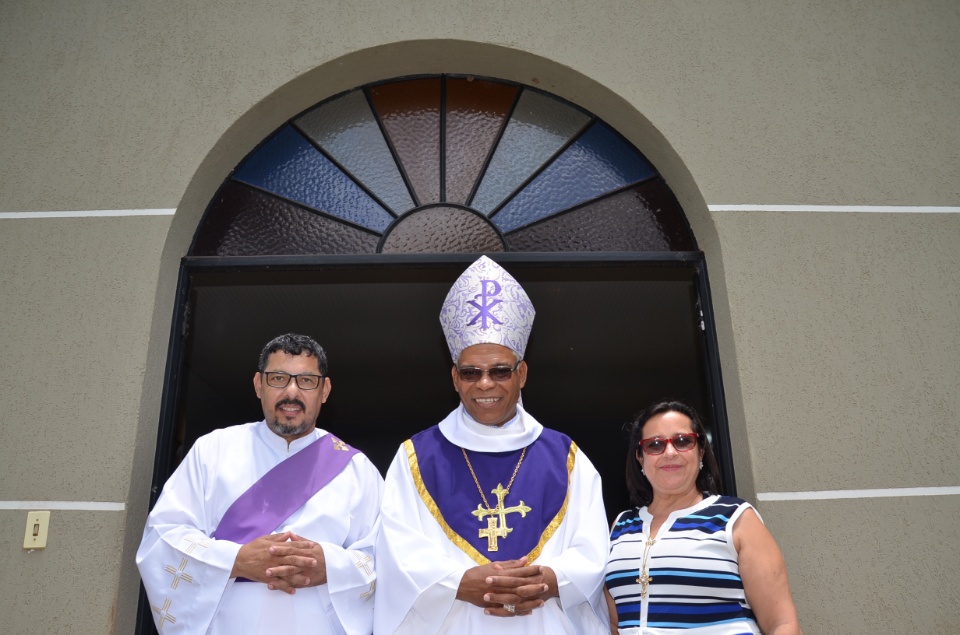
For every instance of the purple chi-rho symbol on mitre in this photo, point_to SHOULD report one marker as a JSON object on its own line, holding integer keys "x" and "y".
{"x": 489, "y": 289}
{"x": 486, "y": 305}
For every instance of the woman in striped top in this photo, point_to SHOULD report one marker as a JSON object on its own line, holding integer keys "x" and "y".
{"x": 686, "y": 559}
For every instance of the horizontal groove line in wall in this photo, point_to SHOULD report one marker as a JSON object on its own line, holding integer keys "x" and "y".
{"x": 93, "y": 213}
{"x": 895, "y": 492}
{"x": 882, "y": 209}
{"x": 82, "y": 506}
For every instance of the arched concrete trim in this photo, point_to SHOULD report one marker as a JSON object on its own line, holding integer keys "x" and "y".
{"x": 427, "y": 57}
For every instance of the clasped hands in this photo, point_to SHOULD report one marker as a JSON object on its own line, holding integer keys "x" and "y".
{"x": 508, "y": 583}
{"x": 284, "y": 562}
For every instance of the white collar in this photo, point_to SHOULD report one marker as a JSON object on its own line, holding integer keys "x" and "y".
{"x": 461, "y": 429}
{"x": 279, "y": 444}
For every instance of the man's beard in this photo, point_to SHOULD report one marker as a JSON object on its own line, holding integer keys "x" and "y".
{"x": 286, "y": 430}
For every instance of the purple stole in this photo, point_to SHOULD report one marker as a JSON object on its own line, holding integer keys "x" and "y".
{"x": 448, "y": 490}
{"x": 283, "y": 490}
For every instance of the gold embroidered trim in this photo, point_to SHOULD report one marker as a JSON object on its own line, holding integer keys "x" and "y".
{"x": 364, "y": 563}
{"x": 558, "y": 519}
{"x": 431, "y": 505}
{"x": 178, "y": 574}
{"x": 164, "y": 614}
{"x": 194, "y": 543}
{"x": 366, "y": 595}
{"x": 458, "y": 540}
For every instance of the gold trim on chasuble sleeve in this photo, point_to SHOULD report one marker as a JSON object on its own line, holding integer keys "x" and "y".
{"x": 163, "y": 613}
{"x": 178, "y": 574}
{"x": 456, "y": 538}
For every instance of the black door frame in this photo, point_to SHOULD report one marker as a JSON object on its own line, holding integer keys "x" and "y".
{"x": 163, "y": 460}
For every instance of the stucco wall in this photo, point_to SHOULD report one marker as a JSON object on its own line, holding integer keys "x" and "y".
{"x": 845, "y": 328}
{"x": 838, "y": 332}
{"x": 78, "y": 301}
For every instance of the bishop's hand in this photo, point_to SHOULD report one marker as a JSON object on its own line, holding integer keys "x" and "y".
{"x": 473, "y": 585}
{"x": 525, "y": 588}
{"x": 509, "y": 583}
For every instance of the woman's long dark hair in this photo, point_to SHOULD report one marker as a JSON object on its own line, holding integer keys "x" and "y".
{"x": 641, "y": 493}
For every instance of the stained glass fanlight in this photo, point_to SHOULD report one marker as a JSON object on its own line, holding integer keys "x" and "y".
{"x": 443, "y": 164}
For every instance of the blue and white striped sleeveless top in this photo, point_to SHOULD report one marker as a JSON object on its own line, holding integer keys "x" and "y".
{"x": 695, "y": 587}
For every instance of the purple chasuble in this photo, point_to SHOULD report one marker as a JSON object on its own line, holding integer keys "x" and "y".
{"x": 283, "y": 490}
{"x": 541, "y": 485}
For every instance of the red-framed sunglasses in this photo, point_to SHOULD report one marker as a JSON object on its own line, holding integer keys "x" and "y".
{"x": 683, "y": 442}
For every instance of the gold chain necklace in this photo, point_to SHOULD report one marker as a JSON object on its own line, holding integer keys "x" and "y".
{"x": 477, "y": 481}
{"x": 496, "y": 516}
{"x": 645, "y": 578}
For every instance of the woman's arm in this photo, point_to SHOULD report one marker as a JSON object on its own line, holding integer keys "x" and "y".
{"x": 764, "y": 575}
{"x": 612, "y": 609}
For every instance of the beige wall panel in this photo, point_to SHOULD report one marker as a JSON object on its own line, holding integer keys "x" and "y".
{"x": 70, "y": 586}
{"x": 872, "y": 566}
{"x": 846, "y": 334}
{"x": 831, "y": 326}
{"x": 110, "y": 107}
{"x": 74, "y": 326}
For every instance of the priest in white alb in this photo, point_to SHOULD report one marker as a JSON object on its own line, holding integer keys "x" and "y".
{"x": 267, "y": 527}
{"x": 491, "y": 523}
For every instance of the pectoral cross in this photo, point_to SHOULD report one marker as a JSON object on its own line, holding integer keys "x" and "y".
{"x": 497, "y": 521}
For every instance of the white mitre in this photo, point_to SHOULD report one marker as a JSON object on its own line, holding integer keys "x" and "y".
{"x": 486, "y": 305}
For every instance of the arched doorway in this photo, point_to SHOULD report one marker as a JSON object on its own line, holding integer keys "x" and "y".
{"x": 351, "y": 221}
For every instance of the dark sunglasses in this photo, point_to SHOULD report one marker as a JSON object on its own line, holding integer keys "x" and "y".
{"x": 497, "y": 373}
{"x": 683, "y": 442}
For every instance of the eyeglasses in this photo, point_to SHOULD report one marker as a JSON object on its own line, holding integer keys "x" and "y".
{"x": 497, "y": 373}
{"x": 304, "y": 382}
{"x": 683, "y": 442}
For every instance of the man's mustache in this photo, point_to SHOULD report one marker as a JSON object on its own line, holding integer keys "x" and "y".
{"x": 291, "y": 402}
